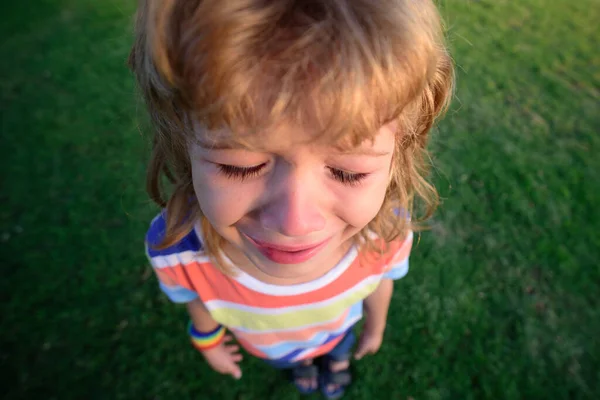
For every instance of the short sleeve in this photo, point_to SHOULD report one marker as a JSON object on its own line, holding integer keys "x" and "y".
{"x": 397, "y": 266}
{"x": 168, "y": 264}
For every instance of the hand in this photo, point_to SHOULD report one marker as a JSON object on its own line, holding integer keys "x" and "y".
{"x": 224, "y": 358}
{"x": 369, "y": 342}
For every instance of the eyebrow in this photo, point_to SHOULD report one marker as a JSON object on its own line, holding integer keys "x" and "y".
{"x": 233, "y": 145}
{"x": 220, "y": 145}
{"x": 362, "y": 152}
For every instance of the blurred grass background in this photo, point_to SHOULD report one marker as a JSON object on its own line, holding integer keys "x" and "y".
{"x": 502, "y": 299}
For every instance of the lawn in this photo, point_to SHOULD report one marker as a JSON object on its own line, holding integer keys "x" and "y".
{"x": 502, "y": 301}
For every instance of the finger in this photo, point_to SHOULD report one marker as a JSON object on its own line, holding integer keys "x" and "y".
{"x": 235, "y": 371}
{"x": 374, "y": 349}
{"x": 360, "y": 352}
{"x": 228, "y": 367}
{"x": 364, "y": 348}
{"x": 227, "y": 338}
{"x": 232, "y": 348}
{"x": 237, "y": 357}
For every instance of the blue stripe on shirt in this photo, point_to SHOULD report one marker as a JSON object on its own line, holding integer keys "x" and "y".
{"x": 156, "y": 233}
{"x": 178, "y": 294}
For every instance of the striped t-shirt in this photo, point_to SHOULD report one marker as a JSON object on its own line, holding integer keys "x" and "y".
{"x": 284, "y": 323}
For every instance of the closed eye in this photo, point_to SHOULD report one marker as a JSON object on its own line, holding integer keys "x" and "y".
{"x": 240, "y": 173}
{"x": 347, "y": 178}
{"x": 243, "y": 173}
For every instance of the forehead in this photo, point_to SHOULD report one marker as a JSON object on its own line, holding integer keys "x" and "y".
{"x": 285, "y": 136}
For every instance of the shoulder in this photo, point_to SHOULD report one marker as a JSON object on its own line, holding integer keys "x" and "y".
{"x": 156, "y": 234}
{"x": 390, "y": 248}
{"x": 383, "y": 254}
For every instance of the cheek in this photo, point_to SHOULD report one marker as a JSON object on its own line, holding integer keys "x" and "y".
{"x": 222, "y": 204}
{"x": 358, "y": 206}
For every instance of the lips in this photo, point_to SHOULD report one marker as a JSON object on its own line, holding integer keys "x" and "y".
{"x": 285, "y": 254}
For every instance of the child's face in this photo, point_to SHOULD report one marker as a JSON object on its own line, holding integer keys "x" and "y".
{"x": 291, "y": 207}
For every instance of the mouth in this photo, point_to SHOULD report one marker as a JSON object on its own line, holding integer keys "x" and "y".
{"x": 283, "y": 254}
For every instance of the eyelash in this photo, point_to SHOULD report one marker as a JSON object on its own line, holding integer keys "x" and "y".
{"x": 347, "y": 178}
{"x": 243, "y": 173}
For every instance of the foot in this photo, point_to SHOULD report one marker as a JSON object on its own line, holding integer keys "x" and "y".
{"x": 305, "y": 377}
{"x": 335, "y": 378}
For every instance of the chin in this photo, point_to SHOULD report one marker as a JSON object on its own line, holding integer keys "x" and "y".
{"x": 285, "y": 271}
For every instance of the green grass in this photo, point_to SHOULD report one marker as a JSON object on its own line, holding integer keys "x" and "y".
{"x": 502, "y": 299}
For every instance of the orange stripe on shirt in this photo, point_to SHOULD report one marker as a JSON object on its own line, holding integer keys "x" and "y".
{"x": 250, "y": 348}
{"x": 401, "y": 254}
{"x": 212, "y": 284}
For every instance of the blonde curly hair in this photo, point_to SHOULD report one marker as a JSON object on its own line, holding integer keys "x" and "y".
{"x": 348, "y": 66}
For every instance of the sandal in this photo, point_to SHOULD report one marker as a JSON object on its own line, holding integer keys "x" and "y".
{"x": 327, "y": 377}
{"x": 305, "y": 372}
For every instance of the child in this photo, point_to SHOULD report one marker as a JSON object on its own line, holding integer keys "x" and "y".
{"x": 293, "y": 134}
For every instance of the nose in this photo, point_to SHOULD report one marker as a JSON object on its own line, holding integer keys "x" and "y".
{"x": 293, "y": 206}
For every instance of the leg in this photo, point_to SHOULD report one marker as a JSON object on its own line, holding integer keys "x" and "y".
{"x": 335, "y": 369}
{"x": 304, "y": 374}
{"x": 305, "y": 377}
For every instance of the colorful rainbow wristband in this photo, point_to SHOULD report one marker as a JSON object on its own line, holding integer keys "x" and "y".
{"x": 206, "y": 340}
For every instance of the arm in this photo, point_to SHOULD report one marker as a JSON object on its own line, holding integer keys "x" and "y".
{"x": 376, "y": 306}
{"x": 223, "y": 358}
{"x": 200, "y": 316}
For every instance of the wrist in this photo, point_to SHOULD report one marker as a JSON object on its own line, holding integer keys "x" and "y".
{"x": 206, "y": 340}
{"x": 374, "y": 327}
